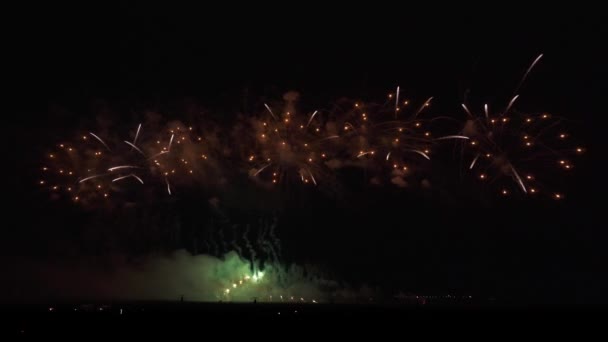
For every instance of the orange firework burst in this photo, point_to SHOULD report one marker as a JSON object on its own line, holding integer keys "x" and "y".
{"x": 93, "y": 168}
{"x": 520, "y": 151}
{"x": 390, "y": 138}
{"x": 288, "y": 147}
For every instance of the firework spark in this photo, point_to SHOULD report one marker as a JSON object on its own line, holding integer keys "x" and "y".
{"x": 136, "y": 134}
{"x": 101, "y": 141}
{"x": 135, "y": 147}
{"x": 270, "y": 111}
{"x": 90, "y": 177}
{"x": 123, "y": 167}
{"x": 311, "y": 117}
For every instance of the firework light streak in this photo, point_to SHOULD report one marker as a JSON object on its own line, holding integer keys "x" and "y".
{"x": 447, "y": 137}
{"x": 168, "y": 186}
{"x": 528, "y": 71}
{"x": 270, "y": 111}
{"x": 422, "y": 154}
{"x": 262, "y": 169}
{"x": 170, "y": 142}
{"x": 158, "y": 154}
{"x": 136, "y": 134}
{"x": 123, "y": 167}
{"x": 361, "y": 154}
{"x": 312, "y": 177}
{"x": 331, "y": 137}
{"x": 101, "y": 141}
{"x": 397, "y": 102}
{"x": 139, "y": 179}
{"x": 90, "y": 177}
{"x": 119, "y": 178}
{"x": 135, "y": 147}
{"x": 466, "y": 110}
{"x": 511, "y": 104}
{"x": 473, "y": 162}
{"x": 426, "y": 104}
{"x": 311, "y": 117}
{"x": 521, "y": 184}
{"x": 127, "y": 176}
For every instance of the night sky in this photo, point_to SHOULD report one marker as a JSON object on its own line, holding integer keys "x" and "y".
{"x": 458, "y": 237}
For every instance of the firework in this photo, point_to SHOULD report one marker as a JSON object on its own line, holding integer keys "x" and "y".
{"x": 286, "y": 148}
{"x": 386, "y": 138}
{"x": 182, "y": 156}
{"x": 391, "y": 141}
{"x": 92, "y": 170}
{"x": 524, "y": 149}
{"x": 527, "y": 153}
{"x": 88, "y": 170}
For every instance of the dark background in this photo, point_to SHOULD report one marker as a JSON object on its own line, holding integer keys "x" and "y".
{"x": 64, "y": 70}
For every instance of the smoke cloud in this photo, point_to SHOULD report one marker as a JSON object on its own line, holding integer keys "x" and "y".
{"x": 196, "y": 277}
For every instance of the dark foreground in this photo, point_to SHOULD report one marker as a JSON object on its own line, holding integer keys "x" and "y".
{"x": 237, "y": 318}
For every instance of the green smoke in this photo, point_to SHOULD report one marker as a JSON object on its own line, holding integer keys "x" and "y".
{"x": 196, "y": 277}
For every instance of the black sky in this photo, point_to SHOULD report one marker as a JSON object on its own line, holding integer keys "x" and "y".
{"x": 62, "y": 70}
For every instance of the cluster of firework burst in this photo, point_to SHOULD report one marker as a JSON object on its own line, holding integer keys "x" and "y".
{"x": 391, "y": 140}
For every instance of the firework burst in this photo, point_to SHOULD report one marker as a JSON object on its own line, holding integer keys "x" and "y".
{"x": 519, "y": 152}
{"x": 182, "y": 156}
{"x": 284, "y": 147}
{"x": 93, "y": 168}
{"x": 88, "y": 170}
{"x": 391, "y": 139}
